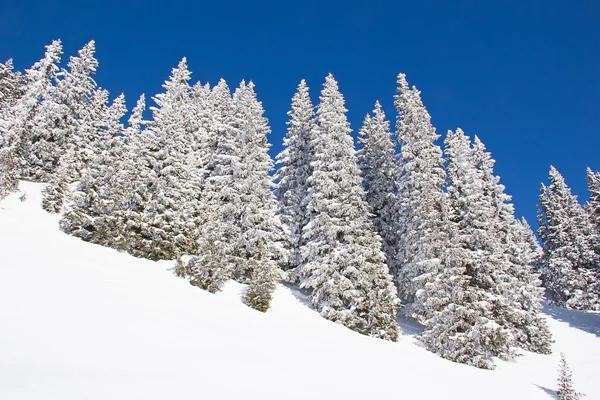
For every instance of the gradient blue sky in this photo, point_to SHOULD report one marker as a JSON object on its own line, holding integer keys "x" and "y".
{"x": 523, "y": 75}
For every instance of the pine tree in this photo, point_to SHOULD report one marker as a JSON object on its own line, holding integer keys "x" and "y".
{"x": 10, "y": 91}
{"x": 220, "y": 200}
{"x": 570, "y": 262}
{"x": 295, "y": 169}
{"x": 38, "y": 83}
{"x": 512, "y": 274}
{"x": 172, "y": 144}
{"x": 257, "y": 222}
{"x": 421, "y": 200}
{"x": 593, "y": 205}
{"x": 343, "y": 264}
{"x": 55, "y": 126}
{"x": 90, "y": 205}
{"x": 566, "y": 391}
{"x": 379, "y": 166}
{"x": 459, "y": 299}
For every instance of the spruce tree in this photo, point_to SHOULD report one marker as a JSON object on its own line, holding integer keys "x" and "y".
{"x": 421, "y": 200}
{"x": 514, "y": 280}
{"x": 566, "y": 391}
{"x": 10, "y": 91}
{"x": 220, "y": 200}
{"x": 257, "y": 222}
{"x": 343, "y": 264}
{"x": 569, "y": 265}
{"x": 54, "y": 132}
{"x": 593, "y": 205}
{"x": 294, "y": 171}
{"x": 38, "y": 84}
{"x": 379, "y": 168}
{"x": 172, "y": 142}
{"x": 458, "y": 300}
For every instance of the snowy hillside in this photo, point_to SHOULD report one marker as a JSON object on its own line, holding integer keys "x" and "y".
{"x": 80, "y": 321}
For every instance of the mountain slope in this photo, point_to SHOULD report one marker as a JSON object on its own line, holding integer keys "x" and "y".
{"x": 80, "y": 321}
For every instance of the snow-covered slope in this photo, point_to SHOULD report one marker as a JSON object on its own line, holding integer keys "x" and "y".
{"x": 79, "y": 321}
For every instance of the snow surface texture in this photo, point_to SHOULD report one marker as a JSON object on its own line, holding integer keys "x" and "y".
{"x": 80, "y": 321}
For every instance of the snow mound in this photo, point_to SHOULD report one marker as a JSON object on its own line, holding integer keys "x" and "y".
{"x": 80, "y": 321}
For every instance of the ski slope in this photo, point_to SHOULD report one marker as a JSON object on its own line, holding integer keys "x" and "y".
{"x": 79, "y": 321}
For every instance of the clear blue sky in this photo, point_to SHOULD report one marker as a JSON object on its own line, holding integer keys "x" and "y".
{"x": 523, "y": 75}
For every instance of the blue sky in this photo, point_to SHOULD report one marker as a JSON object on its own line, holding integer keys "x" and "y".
{"x": 523, "y": 75}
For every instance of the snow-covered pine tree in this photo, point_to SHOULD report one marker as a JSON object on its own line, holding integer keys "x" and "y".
{"x": 458, "y": 300}
{"x": 294, "y": 171}
{"x": 566, "y": 391}
{"x": 569, "y": 264}
{"x": 128, "y": 188}
{"x": 136, "y": 174}
{"x": 11, "y": 90}
{"x": 220, "y": 201}
{"x": 38, "y": 81}
{"x": 421, "y": 200}
{"x": 379, "y": 168}
{"x": 343, "y": 264}
{"x": 257, "y": 222}
{"x": 90, "y": 206}
{"x": 593, "y": 204}
{"x": 53, "y": 132}
{"x": 516, "y": 287}
{"x": 78, "y": 152}
{"x": 169, "y": 130}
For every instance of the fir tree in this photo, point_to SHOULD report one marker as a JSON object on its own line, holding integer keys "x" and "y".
{"x": 38, "y": 84}
{"x": 421, "y": 199}
{"x": 343, "y": 263}
{"x": 172, "y": 142}
{"x": 55, "y": 126}
{"x": 459, "y": 299}
{"x": 379, "y": 166}
{"x": 295, "y": 169}
{"x": 257, "y": 222}
{"x": 570, "y": 262}
{"x": 220, "y": 201}
{"x": 514, "y": 280}
{"x": 566, "y": 391}
{"x": 10, "y": 91}
{"x": 593, "y": 205}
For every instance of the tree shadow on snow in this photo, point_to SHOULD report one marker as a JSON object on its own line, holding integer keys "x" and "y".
{"x": 410, "y": 326}
{"x": 301, "y": 295}
{"x": 549, "y": 392}
{"x": 586, "y": 321}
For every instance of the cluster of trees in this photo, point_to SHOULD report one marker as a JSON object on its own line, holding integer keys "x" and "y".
{"x": 192, "y": 181}
{"x": 399, "y": 225}
{"x": 459, "y": 259}
{"x": 570, "y": 235}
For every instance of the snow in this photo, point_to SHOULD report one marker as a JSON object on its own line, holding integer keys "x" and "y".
{"x": 80, "y": 321}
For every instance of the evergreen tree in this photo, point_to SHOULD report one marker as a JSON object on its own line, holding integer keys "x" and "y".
{"x": 343, "y": 263}
{"x": 295, "y": 169}
{"x": 593, "y": 205}
{"x": 570, "y": 263}
{"x": 38, "y": 83}
{"x": 257, "y": 222}
{"x": 220, "y": 200}
{"x": 512, "y": 275}
{"x": 379, "y": 166}
{"x": 10, "y": 92}
{"x": 89, "y": 213}
{"x": 172, "y": 143}
{"x": 459, "y": 299}
{"x": 566, "y": 391}
{"x": 55, "y": 126}
{"x": 421, "y": 200}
